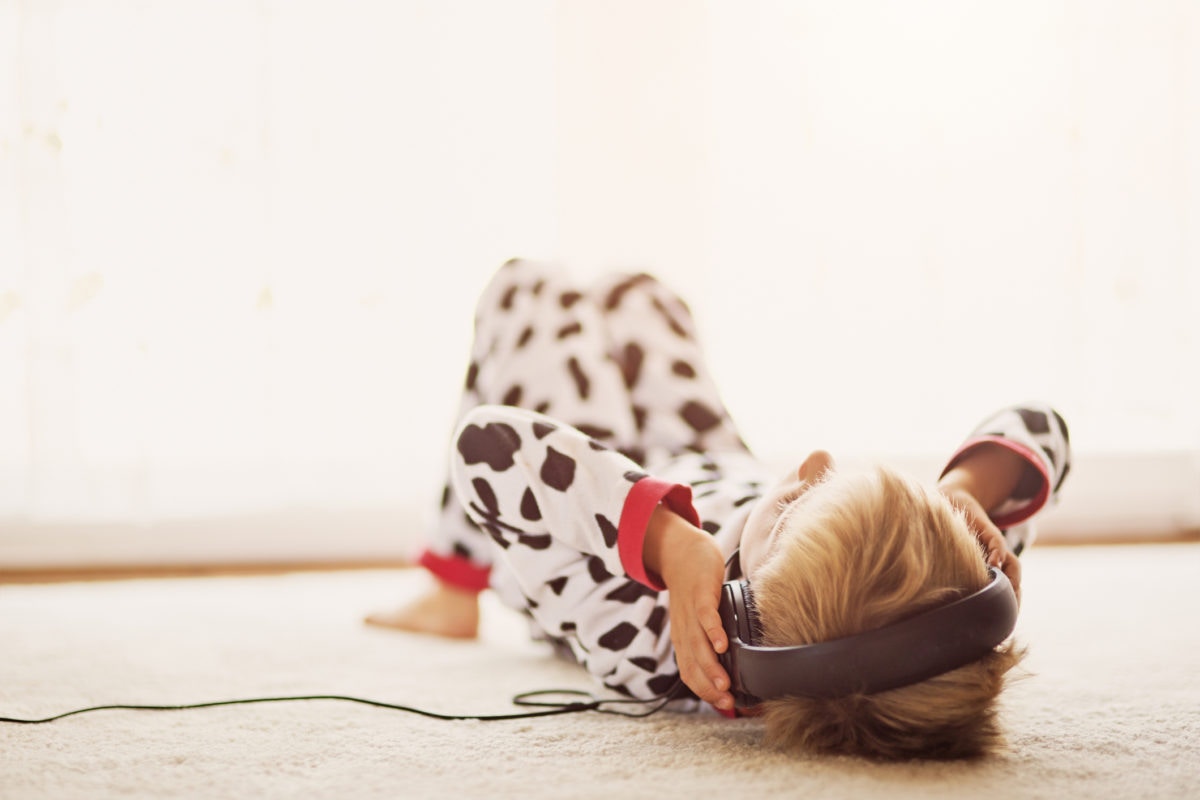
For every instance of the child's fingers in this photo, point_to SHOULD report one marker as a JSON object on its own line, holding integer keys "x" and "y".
{"x": 1012, "y": 569}
{"x": 710, "y": 620}
{"x": 989, "y": 536}
{"x": 700, "y": 669}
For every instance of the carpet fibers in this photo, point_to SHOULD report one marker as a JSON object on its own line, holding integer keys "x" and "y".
{"x": 1110, "y": 707}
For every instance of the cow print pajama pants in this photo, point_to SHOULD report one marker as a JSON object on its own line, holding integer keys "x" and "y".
{"x": 611, "y": 385}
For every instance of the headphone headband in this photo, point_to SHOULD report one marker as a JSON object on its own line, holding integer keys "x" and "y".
{"x": 903, "y": 653}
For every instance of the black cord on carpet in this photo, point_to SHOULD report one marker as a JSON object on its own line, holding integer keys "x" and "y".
{"x": 532, "y": 699}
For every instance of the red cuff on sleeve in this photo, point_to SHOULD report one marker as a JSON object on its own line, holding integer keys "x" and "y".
{"x": 1029, "y": 509}
{"x": 456, "y": 571}
{"x": 643, "y": 498}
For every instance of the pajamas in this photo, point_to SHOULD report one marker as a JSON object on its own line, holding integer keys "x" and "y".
{"x": 583, "y": 410}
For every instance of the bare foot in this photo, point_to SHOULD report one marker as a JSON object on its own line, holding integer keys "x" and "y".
{"x": 442, "y": 611}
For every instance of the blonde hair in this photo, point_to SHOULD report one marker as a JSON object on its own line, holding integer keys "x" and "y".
{"x": 871, "y": 549}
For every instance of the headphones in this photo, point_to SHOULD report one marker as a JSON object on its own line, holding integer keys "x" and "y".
{"x": 903, "y": 653}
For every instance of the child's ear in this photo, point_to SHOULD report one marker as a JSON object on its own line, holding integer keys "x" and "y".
{"x": 817, "y": 464}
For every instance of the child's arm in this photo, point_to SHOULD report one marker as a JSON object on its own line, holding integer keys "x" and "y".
{"x": 1009, "y": 468}
{"x": 687, "y": 561}
{"x": 978, "y": 484}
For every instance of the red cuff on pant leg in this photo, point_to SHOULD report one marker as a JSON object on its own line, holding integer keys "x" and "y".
{"x": 456, "y": 571}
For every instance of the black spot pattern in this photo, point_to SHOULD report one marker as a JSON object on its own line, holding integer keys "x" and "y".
{"x": 497, "y": 535}
{"x": 446, "y": 494}
{"x": 1050, "y": 455}
{"x": 1062, "y": 425}
{"x": 558, "y": 470}
{"x": 472, "y": 376}
{"x": 536, "y": 541}
{"x": 1066, "y": 468}
{"x": 656, "y": 620}
{"x": 571, "y": 329}
{"x": 506, "y": 299}
{"x": 513, "y": 396}
{"x": 595, "y": 431}
{"x": 616, "y": 293}
{"x": 620, "y": 637}
{"x": 483, "y": 490}
{"x": 644, "y": 663}
{"x": 494, "y": 444}
{"x": 634, "y": 476}
{"x": 525, "y": 336}
{"x": 568, "y": 299}
{"x": 634, "y": 453}
{"x": 698, "y": 416}
{"x": 529, "y": 506}
{"x": 597, "y": 570}
{"x": 542, "y": 429}
{"x": 557, "y": 585}
{"x": 629, "y": 592}
{"x": 1035, "y": 421}
{"x": 710, "y": 527}
{"x": 542, "y": 407}
{"x": 676, "y": 327}
{"x": 639, "y": 418}
{"x": 461, "y": 551}
{"x": 741, "y": 501}
{"x": 608, "y": 530}
{"x": 583, "y": 386}
{"x": 630, "y": 362}
{"x": 683, "y": 369}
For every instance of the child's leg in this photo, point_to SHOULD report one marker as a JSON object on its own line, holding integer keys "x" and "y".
{"x": 676, "y": 403}
{"x": 539, "y": 344}
{"x": 551, "y": 498}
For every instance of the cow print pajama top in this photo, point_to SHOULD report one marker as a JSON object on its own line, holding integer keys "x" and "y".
{"x": 585, "y": 408}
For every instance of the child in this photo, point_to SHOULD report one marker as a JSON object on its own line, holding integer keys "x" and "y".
{"x": 597, "y": 467}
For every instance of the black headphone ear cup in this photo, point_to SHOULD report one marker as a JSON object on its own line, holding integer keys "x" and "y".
{"x": 729, "y": 615}
{"x": 749, "y": 619}
{"x": 737, "y": 612}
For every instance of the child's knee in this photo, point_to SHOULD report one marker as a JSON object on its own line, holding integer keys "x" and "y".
{"x": 644, "y": 293}
{"x": 511, "y": 278}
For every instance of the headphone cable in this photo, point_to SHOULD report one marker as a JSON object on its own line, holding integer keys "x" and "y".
{"x": 532, "y": 699}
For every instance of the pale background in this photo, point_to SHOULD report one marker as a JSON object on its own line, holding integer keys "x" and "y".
{"x": 240, "y": 243}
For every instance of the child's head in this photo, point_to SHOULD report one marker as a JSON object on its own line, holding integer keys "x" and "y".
{"x": 870, "y": 549}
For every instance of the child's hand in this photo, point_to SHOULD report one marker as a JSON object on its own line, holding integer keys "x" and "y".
{"x": 690, "y": 566}
{"x": 979, "y": 482}
{"x": 694, "y": 576}
{"x": 990, "y": 538}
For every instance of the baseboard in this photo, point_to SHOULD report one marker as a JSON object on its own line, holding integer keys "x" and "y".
{"x": 1109, "y": 498}
{"x": 295, "y": 537}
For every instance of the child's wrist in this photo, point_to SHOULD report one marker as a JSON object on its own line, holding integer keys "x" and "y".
{"x": 669, "y": 541}
{"x": 988, "y": 473}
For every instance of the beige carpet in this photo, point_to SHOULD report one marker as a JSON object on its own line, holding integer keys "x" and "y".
{"x": 1112, "y": 711}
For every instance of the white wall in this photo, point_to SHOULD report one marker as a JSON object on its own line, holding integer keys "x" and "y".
{"x": 238, "y": 244}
